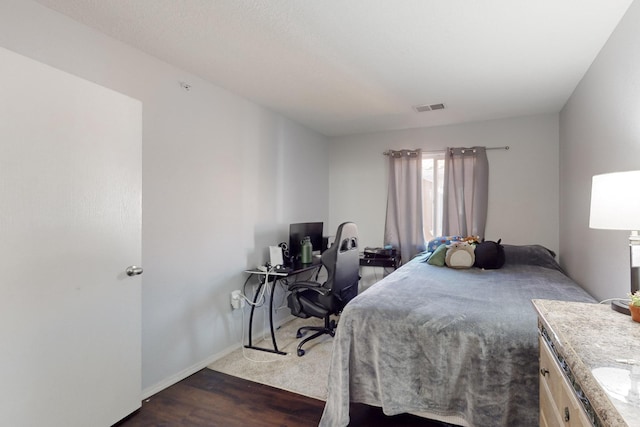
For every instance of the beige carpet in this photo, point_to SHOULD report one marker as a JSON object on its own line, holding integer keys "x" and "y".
{"x": 306, "y": 375}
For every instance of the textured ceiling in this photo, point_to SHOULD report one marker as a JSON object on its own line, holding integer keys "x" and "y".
{"x": 354, "y": 66}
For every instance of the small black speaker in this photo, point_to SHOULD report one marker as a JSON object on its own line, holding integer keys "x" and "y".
{"x": 285, "y": 250}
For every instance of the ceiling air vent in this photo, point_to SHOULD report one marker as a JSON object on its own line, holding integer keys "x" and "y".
{"x": 427, "y": 107}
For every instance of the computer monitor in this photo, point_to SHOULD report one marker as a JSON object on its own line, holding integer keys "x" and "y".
{"x": 300, "y": 230}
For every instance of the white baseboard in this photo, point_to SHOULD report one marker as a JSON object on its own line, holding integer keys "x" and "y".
{"x": 169, "y": 381}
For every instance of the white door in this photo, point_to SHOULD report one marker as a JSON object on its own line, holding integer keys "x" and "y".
{"x": 70, "y": 225}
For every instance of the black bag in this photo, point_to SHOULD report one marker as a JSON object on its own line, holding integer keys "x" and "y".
{"x": 489, "y": 255}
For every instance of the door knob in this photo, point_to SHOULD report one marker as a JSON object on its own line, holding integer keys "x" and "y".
{"x": 133, "y": 270}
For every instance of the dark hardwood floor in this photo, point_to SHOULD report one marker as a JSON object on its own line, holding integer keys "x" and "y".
{"x": 210, "y": 398}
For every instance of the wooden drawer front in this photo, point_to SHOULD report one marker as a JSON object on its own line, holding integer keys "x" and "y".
{"x": 558, "y": 404}
{"x": 549, "y": 413}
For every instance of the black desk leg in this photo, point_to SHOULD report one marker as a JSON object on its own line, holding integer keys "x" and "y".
{"x": 253, "y": 307}
{"x": 273, "y": 335}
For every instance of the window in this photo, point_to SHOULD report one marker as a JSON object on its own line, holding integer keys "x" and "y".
{"x": 432, "y": 193}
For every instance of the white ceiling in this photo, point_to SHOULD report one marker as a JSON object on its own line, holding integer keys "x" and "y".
{"x": 354, "y": 66}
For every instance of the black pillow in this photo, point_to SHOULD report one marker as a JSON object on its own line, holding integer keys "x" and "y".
{"x": 489, "y": 255}
{"x": 530, "y": 255}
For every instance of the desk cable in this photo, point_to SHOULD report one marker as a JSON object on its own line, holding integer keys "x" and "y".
{"x": 612, "y": 299}
{"x": 261, "y": 299}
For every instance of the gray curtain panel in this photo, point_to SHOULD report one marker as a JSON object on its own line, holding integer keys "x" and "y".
{"x": 403, "y": 225}
{"x": 466, "y": 191}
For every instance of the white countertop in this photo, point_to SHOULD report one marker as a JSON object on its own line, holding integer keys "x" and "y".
{"x": 602, "y": 349}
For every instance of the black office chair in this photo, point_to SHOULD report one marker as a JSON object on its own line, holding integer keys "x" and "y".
{"x": 321, "y": 300}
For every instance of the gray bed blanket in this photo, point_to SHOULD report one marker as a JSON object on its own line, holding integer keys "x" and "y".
{"x": 448, "y": 342}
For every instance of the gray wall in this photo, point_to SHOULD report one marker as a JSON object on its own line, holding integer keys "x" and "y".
{"x": 600, "y": 133}
{"x": 222, "y": 179}
{"x": 523, "y": 181}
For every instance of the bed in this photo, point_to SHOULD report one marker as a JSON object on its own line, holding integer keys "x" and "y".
{"x": 453, "y": 345}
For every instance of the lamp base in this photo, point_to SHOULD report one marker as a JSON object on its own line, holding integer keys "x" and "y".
{"x": 621, "y": 307}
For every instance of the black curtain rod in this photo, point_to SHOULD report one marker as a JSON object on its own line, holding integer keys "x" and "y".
{"x": 388, "y": 152}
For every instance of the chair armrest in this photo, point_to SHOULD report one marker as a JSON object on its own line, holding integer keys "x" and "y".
{"x": 308, "y": 285}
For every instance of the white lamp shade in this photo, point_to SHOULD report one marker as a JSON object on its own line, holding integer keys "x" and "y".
{"x": 615, "y": 201}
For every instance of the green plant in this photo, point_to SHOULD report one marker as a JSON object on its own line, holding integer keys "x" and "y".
{"x": 635, "y": 298}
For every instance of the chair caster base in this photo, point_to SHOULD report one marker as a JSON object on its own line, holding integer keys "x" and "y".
{"x": 328, "y": 328}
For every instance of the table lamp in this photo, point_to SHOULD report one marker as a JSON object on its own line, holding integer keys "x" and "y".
{"x": 615, "y": 205}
